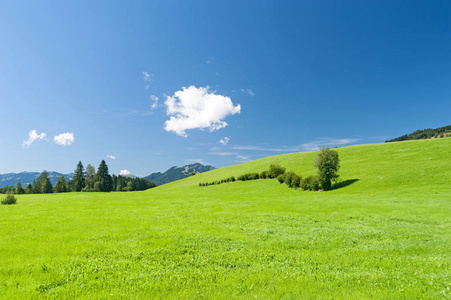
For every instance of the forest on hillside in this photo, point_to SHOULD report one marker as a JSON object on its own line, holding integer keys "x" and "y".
{"x": 421, "y": 134}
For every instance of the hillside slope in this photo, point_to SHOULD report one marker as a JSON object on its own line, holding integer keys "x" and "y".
{"x": 385, "y": 234}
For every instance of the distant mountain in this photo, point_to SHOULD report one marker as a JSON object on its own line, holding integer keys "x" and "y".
{"x": 425, "y": 134}
{"x": 176, "y": 173}
{"x": 28, "y": 177}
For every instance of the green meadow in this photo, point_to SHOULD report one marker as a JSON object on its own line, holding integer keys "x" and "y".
{"x": 384, "y": 232}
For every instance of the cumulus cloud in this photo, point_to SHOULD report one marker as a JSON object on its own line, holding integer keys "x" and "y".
{"x": 33, "y": 136}
{"x": 111, "y": 156}
{"x": 194, "y": 107}
{"x": 64, "y": 139}
{"x": 124, "y": 172}
{"x": 248, "y": 91}
{"x": 224, "y": 141}
{"x": 154, "y": 102}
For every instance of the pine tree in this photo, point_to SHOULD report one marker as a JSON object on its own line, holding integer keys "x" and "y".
{"x": 79, "y": 178}
{"x": 90, "y": 176}
{"x": 60, "y": 185}
{"x": 104, "y": 178}
{"x": 19, "y": 188}
{"x": 28, "y": 189}
{"x": 46, "y": 186}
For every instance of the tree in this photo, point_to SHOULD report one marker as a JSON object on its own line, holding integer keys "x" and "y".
{"x": 28, "y": 189}
{"x": 90, "y": 176}
{"x": 275, "y": 170}
{"x": 60, "y": 185}
{"x": 79, "y": 178}
{"x": 46, "y": 186}
{"x": 103, "y": 177}
{"x": 327, "y": 163}
{"x": 19, "y": 188}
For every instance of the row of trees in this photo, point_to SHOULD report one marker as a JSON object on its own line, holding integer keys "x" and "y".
{"x": 327, "y": 164}
{"x": 83, "y": 181}
{"x": 274, "y": 171}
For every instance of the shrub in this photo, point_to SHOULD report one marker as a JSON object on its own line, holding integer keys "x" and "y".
{"x": 275, "y": 170}
{"x": 281, "y": 178}
{"x": 233, "y": 178}
{"x": 264, "y": 174}
{"x": 9, "y": 199}
{"x": 310, "y": 183}
{"x": 295, "y": 181}
{"x": 288, "y": 178}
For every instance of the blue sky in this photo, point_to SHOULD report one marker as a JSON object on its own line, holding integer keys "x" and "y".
{"x": 263, "y": 77}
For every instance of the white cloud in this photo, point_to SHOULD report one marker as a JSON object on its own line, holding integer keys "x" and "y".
{"x": 33, "y": 136}
{"x": 124, "y": 172}
{"x": 193, "y": 108}
{"x": 224, "y": 141}
{"x": 147, "y": 78}
{"x": 197, "y": 160}
{"x": 64, "y": 139}
{"x": 223, "y": 153}
{"x": 154, "y": 102}
{"x": 111, "y": 156}
{"x": 327, "y": 142}
{"x": 249, "y": 91}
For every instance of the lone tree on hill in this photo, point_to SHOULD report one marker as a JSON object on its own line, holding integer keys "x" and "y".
{"x": 327, "y": 163}
{"x": 104, "y": 179}
{"x": 79, "y": 178}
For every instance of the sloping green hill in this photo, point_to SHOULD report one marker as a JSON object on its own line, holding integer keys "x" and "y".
{"x": 385, "y": 234}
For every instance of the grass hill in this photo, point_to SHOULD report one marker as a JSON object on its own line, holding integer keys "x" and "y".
{"x": 384, "y": 233}
{"x": 425, "y": 134}
{"x": 177, "y": 173}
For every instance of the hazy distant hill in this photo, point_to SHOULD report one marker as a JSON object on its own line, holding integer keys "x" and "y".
{"x": 28, "y": 177}
{"x": 176, "y": 173}
{"x": 425, "y": 134}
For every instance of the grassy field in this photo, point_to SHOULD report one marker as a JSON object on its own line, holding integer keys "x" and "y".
{"x": 384, "y": 233}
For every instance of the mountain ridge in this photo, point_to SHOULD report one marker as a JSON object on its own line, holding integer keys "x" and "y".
{"x": 176, "y": 173}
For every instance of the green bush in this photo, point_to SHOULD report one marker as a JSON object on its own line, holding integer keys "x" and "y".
{"x": 9, "y": 199}
{"x": 264, "y": 175}
{"x": 295, "y": 181}
{"x": 288, "y": 178}
{"x": 281, "y": 178}
{"x": 275, "y": 170}
{"x": 310, "y": 183}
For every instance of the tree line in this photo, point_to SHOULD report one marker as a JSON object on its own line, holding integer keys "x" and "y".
{"x": 83, "y": 181}
{"x": 428, "y": 133}
{"x": 327, "y": 164}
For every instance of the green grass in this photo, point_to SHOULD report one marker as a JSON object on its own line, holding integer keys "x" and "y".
{"x": 385, "y": 235}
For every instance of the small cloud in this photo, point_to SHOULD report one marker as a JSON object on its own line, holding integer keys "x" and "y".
{"x": 111, "y": 156}
{"x": 209, "y": 61}
{"x": 222, "y": 153}
{"x": 327, "y": 142}
{"x": 64, "y": 139}
{"x": 33, "y": 136}
{"x": 147, "y": 78}
{"x": 242, "y": 157}
{"x": 154, "y": 102}
{"x": 197, "y": 160}
{"x": 224, "y": 141}
{"x": 197, "y": 108}
{"x": 248, "y": 91}
{"x": 124, "y": 172}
